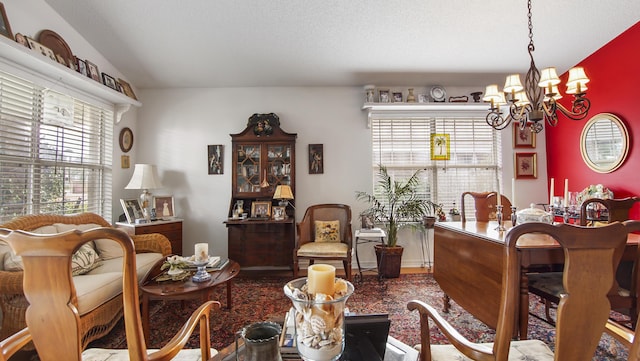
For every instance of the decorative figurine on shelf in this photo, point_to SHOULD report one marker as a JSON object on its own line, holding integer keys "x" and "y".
{"x": 454, "y": 213}
{"x": 411, "y": 98}
{"x": 476, "y": 96}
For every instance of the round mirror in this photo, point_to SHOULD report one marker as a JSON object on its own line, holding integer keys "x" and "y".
{"x": 604, "y": 143}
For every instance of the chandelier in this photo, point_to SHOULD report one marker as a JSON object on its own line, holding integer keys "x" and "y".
{"x": 537, "y": 99}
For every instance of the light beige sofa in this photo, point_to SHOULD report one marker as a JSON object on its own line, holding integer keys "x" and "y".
{"x": 97, "y": 273}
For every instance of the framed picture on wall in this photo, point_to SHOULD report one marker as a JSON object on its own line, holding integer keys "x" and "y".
{"x": 316, "y": 159}
{"x": 440, "y": 147}
{"x": 215, "y": 155}
{"x": 523, "y": 138}
{"x": 526, "y": 166}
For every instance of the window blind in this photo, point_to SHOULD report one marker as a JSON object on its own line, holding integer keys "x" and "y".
{"x": 403, "y": 145}
{"x": 55, "y": 152}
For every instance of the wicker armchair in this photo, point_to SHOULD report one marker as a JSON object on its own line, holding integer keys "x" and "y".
{"x": 95, "y": 323}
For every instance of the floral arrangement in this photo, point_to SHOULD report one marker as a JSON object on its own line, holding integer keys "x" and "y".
{"x": 594, "y": 191}
{"x": 175, "y": 264}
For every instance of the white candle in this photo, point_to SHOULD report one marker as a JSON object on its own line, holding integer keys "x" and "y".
{"x": 321, "y": 279}
{"x": 513, "y": 192}
{"x": 202, "y": 252}
{"x": 551, "y": 191}
{"x": 566, "y": 192}
{"x": 498, "y": 200}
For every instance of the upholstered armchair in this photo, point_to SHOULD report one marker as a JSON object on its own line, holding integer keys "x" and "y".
{"x": 324, "y": 234}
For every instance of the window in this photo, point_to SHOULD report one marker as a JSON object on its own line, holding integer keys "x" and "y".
{"x": 55, "y": 152}
{"x": 403, "y": 145}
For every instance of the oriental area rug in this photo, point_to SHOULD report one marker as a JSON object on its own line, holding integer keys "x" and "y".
{"x": 261, "y": 298}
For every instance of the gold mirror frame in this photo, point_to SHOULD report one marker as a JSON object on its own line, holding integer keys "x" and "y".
{"x": 604, "y": 143}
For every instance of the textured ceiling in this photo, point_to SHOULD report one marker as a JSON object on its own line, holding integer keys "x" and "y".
{"x": 245, "y": 43}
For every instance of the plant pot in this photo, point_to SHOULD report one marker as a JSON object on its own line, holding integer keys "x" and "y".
{"x": 389, "y": 260}
{"x": 429, "y": 221}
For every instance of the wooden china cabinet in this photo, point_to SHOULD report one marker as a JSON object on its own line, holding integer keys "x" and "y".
{"x": 263, "y": 157}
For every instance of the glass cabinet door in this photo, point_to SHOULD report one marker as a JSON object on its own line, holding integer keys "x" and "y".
{"x": 279, "y": 163}
{"x": 248, "y": 168}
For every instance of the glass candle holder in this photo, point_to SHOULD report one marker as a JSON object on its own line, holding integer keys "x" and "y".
{"x": 319, "y": 319}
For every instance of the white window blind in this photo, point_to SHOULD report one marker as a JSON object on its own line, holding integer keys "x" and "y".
{"x": 403, "y": 145}
{"x": 55, "y": 152}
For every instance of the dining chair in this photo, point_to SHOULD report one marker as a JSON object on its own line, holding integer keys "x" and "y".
{"x": 626, "y": 336}
{"x": 324, "y": 234}
{"x": 485, "y": 206}
{"x": 52, "y": 319}
{"x": 582, "y": 313}
{"x": 623, "y": 298}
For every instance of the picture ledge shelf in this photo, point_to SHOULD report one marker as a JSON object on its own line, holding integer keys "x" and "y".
{"x": 14, "y": 56}
{"x": 421, "y": 110}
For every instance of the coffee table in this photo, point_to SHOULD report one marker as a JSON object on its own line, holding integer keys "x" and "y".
{"x": 183, "y": 290}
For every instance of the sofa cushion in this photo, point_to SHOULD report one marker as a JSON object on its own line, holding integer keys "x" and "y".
{"x": 327, "y": 231}
{"x": 323, "y": 249}
{"x": 105, "y": 282}
{"x": 108, "y": 248}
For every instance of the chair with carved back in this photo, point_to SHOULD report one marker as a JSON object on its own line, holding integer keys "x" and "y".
{"x": 324, "y": 234}
{"x": 548, "y": 285}
{"x": 583, "y": 310}
{"x": 53, "y": 323}
{"x": 485, "y": 206}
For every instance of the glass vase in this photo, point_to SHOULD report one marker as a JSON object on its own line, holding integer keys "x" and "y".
{"x": 319, "y": 320}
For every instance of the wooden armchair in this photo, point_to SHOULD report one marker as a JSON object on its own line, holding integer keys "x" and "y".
{"x": 318, "y": 239}
{"x": 485, "y": 206}
{"x": 623, "y": 297}
{"x": 53, "y": 323}
{"x": 627, "y": 337}
{"x": 583, "y": 310}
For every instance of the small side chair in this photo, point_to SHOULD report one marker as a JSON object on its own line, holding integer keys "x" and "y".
{"x": 486, "y": 206}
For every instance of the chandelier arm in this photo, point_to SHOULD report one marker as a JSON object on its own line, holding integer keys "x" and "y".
{"x": 496, "y": 120}
{"x": 579, "y": 109}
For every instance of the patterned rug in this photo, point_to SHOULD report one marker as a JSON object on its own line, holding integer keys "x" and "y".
{"x": 259, "y": 299}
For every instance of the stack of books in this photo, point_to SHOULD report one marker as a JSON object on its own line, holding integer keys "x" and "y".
{"x": 288, "y": 348}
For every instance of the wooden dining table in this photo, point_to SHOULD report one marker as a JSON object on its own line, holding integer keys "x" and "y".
{"x": 468, "y": 266}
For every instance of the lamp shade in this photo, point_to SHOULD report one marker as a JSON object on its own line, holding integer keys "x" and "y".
{"x": 145, "y": 176}
{"x": 513, "y": 83}
{"x": 491, "y": 93}
{"x": 548, "y": 76}
{"x": 283, "y": 191}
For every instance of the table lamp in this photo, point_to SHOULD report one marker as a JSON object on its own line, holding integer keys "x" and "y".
{"x": 284, "y": 194}
{"x": 145, "y": 177}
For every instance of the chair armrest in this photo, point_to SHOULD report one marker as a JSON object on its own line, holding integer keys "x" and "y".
{"x": 468, "y": 348}
{"x": 152, "y": 242}
{"x": 11, "y": 282}
{"x": 621, "y": 333}
{"x": 198, "y": 317}
{"x": 302, "y": 235}
{"x": 14, "y": 343}
{"x": 349, "y": 236}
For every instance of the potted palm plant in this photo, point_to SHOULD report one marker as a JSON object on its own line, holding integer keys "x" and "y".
{"x": 397, "y": 205}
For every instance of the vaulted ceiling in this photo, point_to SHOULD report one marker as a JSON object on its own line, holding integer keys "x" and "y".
{"x": 246, "y": 43}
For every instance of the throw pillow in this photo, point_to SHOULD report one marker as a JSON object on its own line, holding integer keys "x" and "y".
{"x": 327, "y": 231}
{"x": 108, "y": 248}
{"x": 84, "y": 260}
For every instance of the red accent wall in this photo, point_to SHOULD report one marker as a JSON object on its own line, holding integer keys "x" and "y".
{"x": 614, "y": 88}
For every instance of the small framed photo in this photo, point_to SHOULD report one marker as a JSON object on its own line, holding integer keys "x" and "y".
{"x": 261, "y": 209}
{"x": 397, "y": 97}
{"x": 385, "y": 97}
{"x": 526, "y": 166}
{"x": 164, "y": 206}
{"x": 215, "y": 155}
{"x": 125, "y": 162}
{"x": 22, "y": 40}
{"x": 82, "y": 67}
{"x": 316, "y": 159}
{"x": 126, "y": 89}
{"x": 132, "y": 209}
{"x": 61, "y": 60}
{"x": 109, "y": 81}
{"x": 423, "y": 98}
{"x": 5, "y": 28}
{"x": 440, "y": 147}
{"x": 279, "y": 213}
{"x": 523, "y": 138}
{"x": 92, "y": 71}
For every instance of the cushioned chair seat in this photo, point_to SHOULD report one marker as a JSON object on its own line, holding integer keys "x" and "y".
{"x": 530, "y": 350}
{"x": 551, "y": 283}
{"x": 326, "y": 249}
{"x": 103, "y": 354}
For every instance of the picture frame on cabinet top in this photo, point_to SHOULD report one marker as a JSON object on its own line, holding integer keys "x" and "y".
{"x": 5, "y": 27}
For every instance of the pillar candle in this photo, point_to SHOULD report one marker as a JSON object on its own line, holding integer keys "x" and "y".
{"x": 321, "y": 279}
{"x": 551, "y": 191}
{"x": 202, "y": 252}
{"x": 513, "y": 192}
{"x": 566, "y": 192}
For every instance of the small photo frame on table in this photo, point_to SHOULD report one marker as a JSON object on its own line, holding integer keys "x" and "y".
{"x": 215, "y": 155}
{"x": 164, "y": 206}
{"x": 523, "y": 138}
{"x": 132, "y": 209}
{"x": 279, "y": 213}
{"x": 440, "y": 147}
{"x": 316, "y": 159}
{"x": 526, "y": 165}
{"x": 261, "y": 209}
